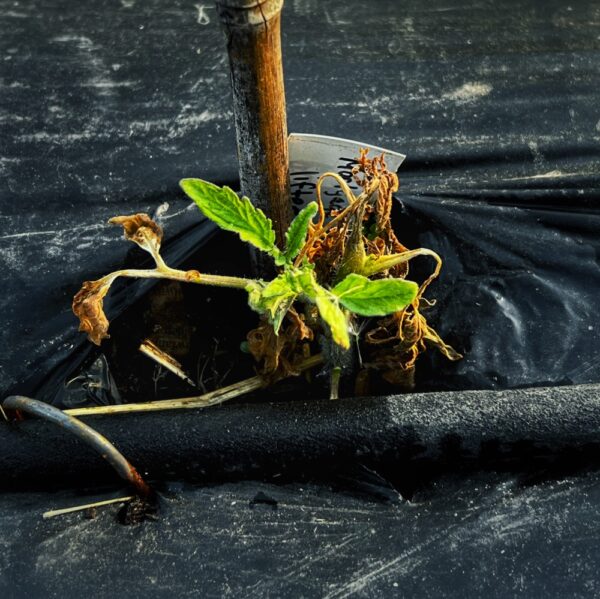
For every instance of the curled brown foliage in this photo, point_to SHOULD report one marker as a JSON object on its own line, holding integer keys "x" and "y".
{"x": 385, "y": 242}
{"x": 140, "y": 229}
{"x": 279, "y": 354}
{"x": 88, "y": 303}
{"x": 88, "y": 307}
{"x": 394, "y": 344}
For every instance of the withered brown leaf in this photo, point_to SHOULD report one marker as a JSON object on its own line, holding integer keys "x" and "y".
{"x": 140, "y": 229}
{"x": 279, "y": 354}
{"x": 88, "y": 307}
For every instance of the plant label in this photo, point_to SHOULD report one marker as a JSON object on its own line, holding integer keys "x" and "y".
{"x": 312, "y": 155}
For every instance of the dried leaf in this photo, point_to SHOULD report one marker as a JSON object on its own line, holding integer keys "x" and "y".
{"x": 88, "y": 303}
{"x": 278, "y": 354}
{"x": 304, "y": 332}
{"x": 434, "y": 339}
{"x": 141, "y": 229}
{"x": 88, "y": 307}
{"x": 388, "y": 184}
{"x": 397, "y": 341}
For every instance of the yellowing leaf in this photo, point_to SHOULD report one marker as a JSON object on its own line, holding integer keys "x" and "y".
{"x": 375, "y": 298}
{"x": 331, "y": 313}
{"x": 374, "y": 264}
{"x": 274, "y": 299}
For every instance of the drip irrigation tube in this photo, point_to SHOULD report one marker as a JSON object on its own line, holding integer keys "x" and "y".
{"x": 487, "y": 430}
{"x": 84, "y": 432}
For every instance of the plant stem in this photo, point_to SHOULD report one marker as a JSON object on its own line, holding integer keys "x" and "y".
{"x": 201, "y": 401}
{"x": 189, "y": 276}
{"x": 334, "y": 391}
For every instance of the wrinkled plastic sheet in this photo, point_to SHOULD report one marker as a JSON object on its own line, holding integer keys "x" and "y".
{"x": 495, "y": 104}
{"x": 518, "y": 293}
{"x": 461, "y": 537}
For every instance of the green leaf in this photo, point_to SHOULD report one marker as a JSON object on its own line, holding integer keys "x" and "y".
{"x": 274, "y": 299}
{"x": 375, "y": 298}
{"x": 327, "y": 304}
{"x": 296, "y": 235}
{"x": 278, "y": 309}
{"x": 226, "y": 209}
{"x": 336, "y": 319}
{"x": 303, "y": 281}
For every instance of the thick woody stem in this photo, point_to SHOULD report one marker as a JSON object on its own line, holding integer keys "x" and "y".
{"x": 253, "y": 35}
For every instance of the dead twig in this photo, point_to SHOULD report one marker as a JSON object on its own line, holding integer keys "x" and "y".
{"x": 201, "y": 401}
{"x": 152, "y": 351}
{"x": 87, "y": 506}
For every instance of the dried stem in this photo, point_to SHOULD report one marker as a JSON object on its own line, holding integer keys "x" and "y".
{"x": 353, "y": 203}
{"x": 87, "y": 506}
{"x": 152, "y": 351}
{"x": 334, "y": 389}
{"x": 201, "y": 401}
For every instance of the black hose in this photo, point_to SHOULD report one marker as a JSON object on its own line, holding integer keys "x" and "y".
{"x": 87, "y": 434}
{"x": 519, "y": 429}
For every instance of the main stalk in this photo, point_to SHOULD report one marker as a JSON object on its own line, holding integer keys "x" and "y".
{"x": 253, "y": 35}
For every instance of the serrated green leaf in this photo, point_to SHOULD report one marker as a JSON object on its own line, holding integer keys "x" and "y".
{"x": 273, "y": 299}
{"x": 332, "y": 314}
{"x": 295, "y": 236}
{"x": 375, "y": 298}
{"x": 226, "y": 209}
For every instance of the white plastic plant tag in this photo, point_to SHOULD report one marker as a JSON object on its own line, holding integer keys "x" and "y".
{"x": 313, "y": 155}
